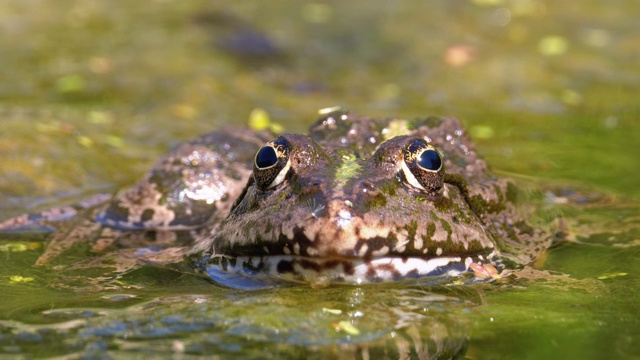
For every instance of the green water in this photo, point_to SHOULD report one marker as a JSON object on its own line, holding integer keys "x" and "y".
{"x": 91, "y": 92}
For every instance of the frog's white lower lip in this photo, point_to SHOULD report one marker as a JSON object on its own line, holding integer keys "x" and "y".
{"x": 341, "y": 270}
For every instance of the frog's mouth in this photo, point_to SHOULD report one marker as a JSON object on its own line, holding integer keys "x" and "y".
{"x": 350, "y": 242}
{"x": 338, "y": 270}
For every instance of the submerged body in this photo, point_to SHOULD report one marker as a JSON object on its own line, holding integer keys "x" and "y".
{"x": 357, "y": 199}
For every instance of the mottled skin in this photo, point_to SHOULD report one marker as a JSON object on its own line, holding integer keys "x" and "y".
{"x": 344, "y": 206}
{"x": 186, "y": 194}
{"x": 191, "y": 187}
{"x": 345, "y": 197}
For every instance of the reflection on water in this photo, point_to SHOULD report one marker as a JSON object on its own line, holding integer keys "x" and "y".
{"x": 337, "y": 322}
{"x": 105, "y": 302}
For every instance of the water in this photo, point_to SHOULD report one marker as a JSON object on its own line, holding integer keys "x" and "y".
{"x": 92, "y": 93}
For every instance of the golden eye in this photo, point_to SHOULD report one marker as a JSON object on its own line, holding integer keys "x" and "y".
{"x": 423, "y": 167}
{"x": 271, "y": 164}
{"x": 429, "y": 159}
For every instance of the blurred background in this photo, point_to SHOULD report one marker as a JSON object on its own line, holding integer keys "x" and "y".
{"x": 91, "y": 92}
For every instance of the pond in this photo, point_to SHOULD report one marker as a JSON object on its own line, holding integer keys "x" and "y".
{"x": 93, "y": 92}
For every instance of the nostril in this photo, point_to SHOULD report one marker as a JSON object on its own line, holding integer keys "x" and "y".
{"x": 368, "y": 188}
{"x": 312, "y": 188}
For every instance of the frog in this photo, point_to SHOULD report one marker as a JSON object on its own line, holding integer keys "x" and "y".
{"x": 355, "y": 199}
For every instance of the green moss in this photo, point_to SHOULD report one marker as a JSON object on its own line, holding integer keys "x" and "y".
{"x": 443, "y": 204}
{"x": 524, "y": 228}
{"x": 431, "y": 229}
{"x": 283, "y": 196}
{"x": 388, "y": 188}
{"x": 512, "y": 192}
{"x": 348, "y": 169}
{"x": 375, "y": 202}
{"x": 412, "y": 228}
{"x": 498, "y": 191}
{"x": 477, "y": 204}
{"x": 458, "y": 181}
{"x": 447, "y": 228}
{"x": 462, "y": 214}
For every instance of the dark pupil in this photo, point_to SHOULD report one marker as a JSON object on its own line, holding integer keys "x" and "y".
{"x": 266, "y": 157}
{"x": 430, "y": 159}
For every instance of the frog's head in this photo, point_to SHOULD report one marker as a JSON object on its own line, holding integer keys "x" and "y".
{"x": 310, "y": 212}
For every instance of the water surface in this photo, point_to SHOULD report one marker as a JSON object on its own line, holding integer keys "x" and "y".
{"x": 92, "y": 92}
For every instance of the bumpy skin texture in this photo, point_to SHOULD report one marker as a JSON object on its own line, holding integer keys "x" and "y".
{"x": 187, "y": 193}
{"x": 191, "y": 187}
{"x": 345, "y": 196}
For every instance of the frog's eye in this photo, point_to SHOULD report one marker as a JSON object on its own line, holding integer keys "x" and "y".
{"x": 271, "y": 164}
{"x": 422, "y": 166}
